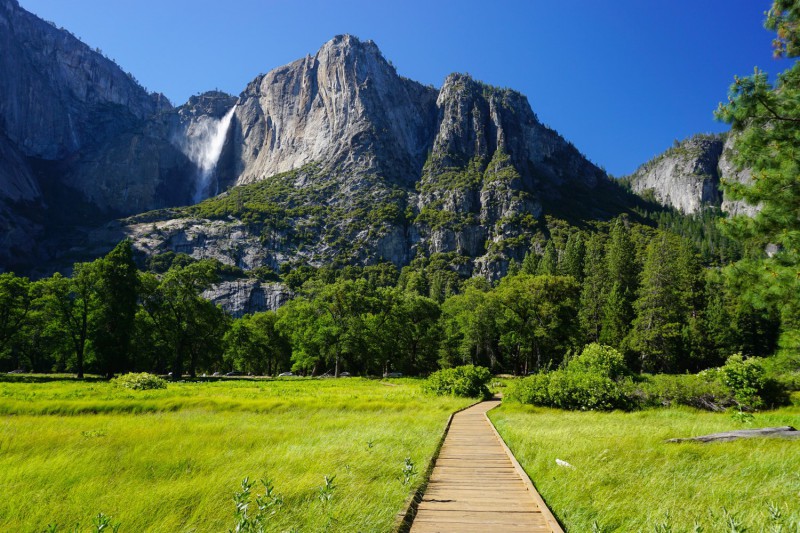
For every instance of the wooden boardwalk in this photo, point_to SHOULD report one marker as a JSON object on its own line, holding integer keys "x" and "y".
{"x": 478, "y": 486}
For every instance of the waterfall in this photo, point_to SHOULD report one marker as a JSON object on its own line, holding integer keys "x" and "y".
{"x": 203, "y": 145}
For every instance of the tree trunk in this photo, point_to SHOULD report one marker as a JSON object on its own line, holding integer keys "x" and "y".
{"x": 79, "y": 362}
{"x": 177, "y": 365}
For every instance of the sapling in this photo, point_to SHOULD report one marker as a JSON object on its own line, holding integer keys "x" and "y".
{"x": 103, "y": 522}
{"x": 326, "y": 491}
{"x": 409, "y": 470}
{"x": 267, "y": 504}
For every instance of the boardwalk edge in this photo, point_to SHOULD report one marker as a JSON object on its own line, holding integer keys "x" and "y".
{"x": 546, "y": 513}
{"x": 405, "y": 518}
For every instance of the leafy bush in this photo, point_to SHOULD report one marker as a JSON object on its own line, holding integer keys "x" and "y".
{"x": 572, "y": 390}
{"x": 585, "y": 391}
{"x": 592, "y": 381}
{"x": 467, "y": 381}
{"x": 531, "y": 390}
{"x": 141, "y": 381}
{"x": 599, "y": 360}
{"x": 702, "y": 391}
{"x": 596, "y": 380}
{"x": 745, "y": 378}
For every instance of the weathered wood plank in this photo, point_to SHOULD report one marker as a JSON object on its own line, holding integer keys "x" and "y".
{"x": 476, "y": 486}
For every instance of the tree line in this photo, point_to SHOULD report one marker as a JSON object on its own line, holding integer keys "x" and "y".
{"x": 641, "y": 290}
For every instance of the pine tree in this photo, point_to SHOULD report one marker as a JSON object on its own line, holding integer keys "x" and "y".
{"x": 530, "y": 263}
{"x": 621, "y": 258}
{"x": 593, "y": 290}
{"x": 615, "y": 326}
{"x": 718, "y": 322}
{"x": 692, "y": 289}
{"x": 661, "y": 308}
{"x": 549, "y": 262}
{"x": 765, "y": 121}
{"x": 571, "y": 263}
{"x": 623, "y": 273}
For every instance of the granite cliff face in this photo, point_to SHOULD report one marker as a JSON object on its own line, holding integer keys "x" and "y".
{"x": 687, "y": 177}
{"x": 344, "y": 108}
{"x": 93, "y": 125}
{"x": 80, "y": 140}
{"x": 54, "y": 87}
{"x": 245, "y": 296}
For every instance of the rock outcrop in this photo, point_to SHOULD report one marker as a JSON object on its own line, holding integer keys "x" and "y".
{"x": 688, "y": 176}
{"x": 244, "y": 296}
{"x": 685, "y": 177}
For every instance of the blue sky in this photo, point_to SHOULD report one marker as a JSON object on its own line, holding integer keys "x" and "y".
{"x": 620, "y": 79}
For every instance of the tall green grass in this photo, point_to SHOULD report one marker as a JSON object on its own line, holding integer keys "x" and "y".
{"x": 171, "y": 460}
{"x": 626, "y": 478}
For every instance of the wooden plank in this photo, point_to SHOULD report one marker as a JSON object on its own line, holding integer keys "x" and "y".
{"x": 475, "y": 485}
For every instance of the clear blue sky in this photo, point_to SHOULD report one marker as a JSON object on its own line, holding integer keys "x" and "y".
{"x": 620, "y": 79}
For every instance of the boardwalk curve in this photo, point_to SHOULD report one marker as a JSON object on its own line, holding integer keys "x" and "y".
{"x": 478, "y": 486}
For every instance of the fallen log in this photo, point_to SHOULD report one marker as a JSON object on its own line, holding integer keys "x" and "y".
{"x": 786, "y": 432}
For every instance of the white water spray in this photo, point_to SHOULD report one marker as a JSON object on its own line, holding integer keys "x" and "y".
{"x": 203, "y": 145}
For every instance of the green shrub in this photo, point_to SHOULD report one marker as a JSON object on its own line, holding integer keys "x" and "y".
{"x": 585, "y": 391}
{"x": 574, "y": 390}
{"x": 597, "y": 379}
{"x": 531, "y": 390}
{"x": 702, "y": 391}
{"x": 141, "y": 381}
{"x": 591, "y": 381}
{"x": 466, "y": 381}
{"x": 750, "y": 385}
{"x": 745, "y": 378}
{"x": 599, "y": 360}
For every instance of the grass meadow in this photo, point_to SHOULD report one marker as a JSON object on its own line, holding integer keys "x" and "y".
{"x": 626, "y": 478}
{"x": 171, "y": 460}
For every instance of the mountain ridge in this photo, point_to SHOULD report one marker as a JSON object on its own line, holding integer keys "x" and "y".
{"x": 362, "y": 165}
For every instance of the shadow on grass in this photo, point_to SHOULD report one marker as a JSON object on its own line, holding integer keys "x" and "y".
{"x": 47, "y": 378}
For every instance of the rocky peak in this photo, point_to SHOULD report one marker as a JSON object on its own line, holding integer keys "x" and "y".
{"x": 479, "y": 110}
{"x": 344, "y": 107}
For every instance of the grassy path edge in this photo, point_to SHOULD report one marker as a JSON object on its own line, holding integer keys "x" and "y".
{"x": 405, "y": 518}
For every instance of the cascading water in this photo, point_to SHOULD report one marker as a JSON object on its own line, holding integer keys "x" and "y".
{"x": 203, "y": 145}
